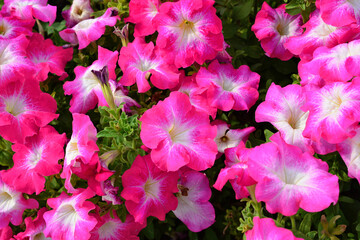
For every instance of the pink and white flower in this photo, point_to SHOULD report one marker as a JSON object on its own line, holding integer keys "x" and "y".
{"x": 229, "y": 88}
{"x": 24, "y": 108}
{"x": 34, "y": 228}
{"x": 140, "y": 61}
{"x": 148, "y": 191}
{"x": 289, "y": 179}
{"x": 229, "y": 138}
{"x": 178, "y": 135}
{"x": 13, "y": 204}
{"x": 70, "y": 217}
{"x": 47, "y": 57}
{"x": 265, "y": 229}
{"x": 12, "y": 28}
{"x": 194, "y": 208}
{"x": 36, "y": 158}
{"x": 339, "y": 12}
{"x": 189, "y": 31}
{"x": 89, "y": 30}
{"x": 27, "y": 9}
{"x": 86, "y": 86}
{"x": 273, "y": 27}
{"x": 142, "y": 14}
{"x": 333, "y": 112}
{"x": 79, "y": 10}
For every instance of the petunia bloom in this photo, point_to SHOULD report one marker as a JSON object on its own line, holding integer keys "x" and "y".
{"x": 339, "y": 12}
{"x": 79, "y": 10}
{"x": 178, "y": 135}
{"x": 148, "y": 191}
{"x": 288, "y": 179}
{"x": 189, "y": 31}
{"x": 34, "y": 228}
{"x": 273, "y": 27}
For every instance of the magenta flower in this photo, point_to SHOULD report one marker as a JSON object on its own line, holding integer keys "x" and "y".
{"x": 189, "y": 31}
{"x": 148, "y": 191}
{"x": 13, "y": 204}
{"x": 13, "y": 58}
{"x": 178, "y": 135}
{"x": 333, "y": 112}
{"x": 339, "y": 12}
{"x": 34, "y": 228}
{"x": 142, "y": 13}
{"x": 6, "y": 233}
{"x": 12, "y": 28}
{"x": 194, "y": 208}
{"x": 47, "y": 57}
{"x": 265, "y": 229}
{"x": 112, "y": 228}
{"x": 79, "y": 10}
{"x": 24, "y": 108}
{"x": 86, "y": 86}
{"x": 36, "y": 158}
{"x": 139, "y": 60}
{"x": 27, "y": 9}
{"x": 289, "y": 179}
{"x": 273, "y": 27}
{"x": 236, "y": 171}
{"x": 89, "y": 30}
{"x": 70, "y": 218}
{"x": 229, "y": 88}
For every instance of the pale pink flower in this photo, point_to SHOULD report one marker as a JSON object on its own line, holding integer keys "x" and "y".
{"x": 189, "y": 31}
{"x": 90, "y": 30}
{"x": 12, "y": 28}
{"x": 70, "y": 217}
{"x": 178, "y": 135}
{"x": 265, "y": 229}
{"x": 288, "y": 179}
{"x": 148, "y": 191}
{"x": 13, "y": 205}
{"x": 194, "y": 208}
{"x": 273, "y": 27}
{"x": 79, "y": 10}
{"x": 142, "y": 13}
{"x": 229, "y": 88}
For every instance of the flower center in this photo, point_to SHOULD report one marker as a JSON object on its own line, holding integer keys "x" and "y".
{"x": 14, "y": 105}
{"x": 107, "y": 230}
{"x": 178, "y": 134}
{"x": 35, "y": 157}
{"x": 224, "y": 139}
{"x": 7, "y": 202}
{"x": 72, "y": 151}
{"x": 3, "y": 29}
{"x": 40, "y": 236}
{"x": 188, "y": 32}
{"x": 67, "y": 215}
{"x": 282, "y": 28}
{"x": 151, "y": 188}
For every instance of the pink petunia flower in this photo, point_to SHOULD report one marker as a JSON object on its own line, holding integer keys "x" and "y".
{"x": 12, "y": 28}
{"x": 178, "y": 135}
{"x": 189, "y": 31}
{"x": 86, "y": 86}
{"x": 229, "y": 88}
{"x": 90, "y": 30}
{"x": 13, "y": 204}
{"x": 339, "y": 12}
{"x": 70, "y": 218}
{"x": 333, "y": 112}
{"x": 79, "y": 10}
{"x": 229, "y": 138}
{"x": 148, "y": 191}
{"x": 273, "y": 27}
{"x": 139, "y": 60}
{"x": 27, "y": 9}
{"x": 142, "y": 13}
{"x": 236, "y": 171}
{"x": 289, "y": 179}
{"x": 265, "y": 229}
{"x": 24, "y": 108}
{"x": 47, "y": 58}
{"x": 194, "y": 208}
{"x": 112, "y": 228}
{"x": 6, "y": 233}
{"x": 13, "y": 58}
{"x": 36, "y": 158}
{"x": 34, "y": 228}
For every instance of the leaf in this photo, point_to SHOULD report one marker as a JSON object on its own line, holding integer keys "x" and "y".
{"x": 268, "y": 134}
{"x": 149, "y": 231}
{"x": 305, "y": 225}
{"x": 243, "y": 10}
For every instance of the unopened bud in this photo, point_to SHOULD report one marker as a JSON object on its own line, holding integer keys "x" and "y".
{"x": 123, "y": 34}
{"x": 103, "y": 77}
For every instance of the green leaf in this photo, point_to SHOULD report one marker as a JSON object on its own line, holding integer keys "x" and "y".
{"x": 268, "y": 134}
{"x": 243, "y": 9}
{"x": 149, "y": 231}
{"x": 305, "y": 225}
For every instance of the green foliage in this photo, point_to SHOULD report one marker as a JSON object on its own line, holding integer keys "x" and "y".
{"x": 5, "y": 154}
